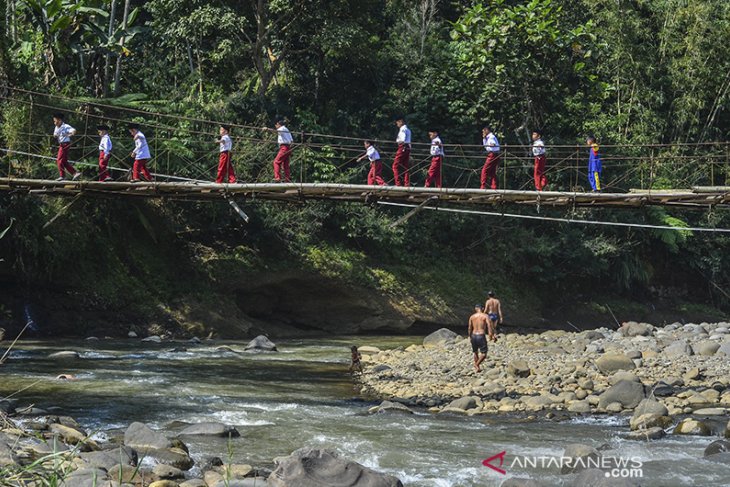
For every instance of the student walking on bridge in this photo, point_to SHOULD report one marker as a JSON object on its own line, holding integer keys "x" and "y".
{"x": 225, "y": 165}
{"x": 489, "y": 171}
{"x": 595, "y": 169}
{"x": 376, "y": 167}
{"x": 63, "y": 133}
{"x": 437, "y": 159}
{"x": 538, "y": 150}
{"x": 141, "y": 154}
{"x": 281, "y": 161}
{"x": 403, "y": 154}
{"x": 105, "y": 152}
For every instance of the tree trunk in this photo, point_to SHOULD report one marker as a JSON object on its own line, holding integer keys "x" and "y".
{"x": 118, "y": 71}
{"x": 107, "y": 61}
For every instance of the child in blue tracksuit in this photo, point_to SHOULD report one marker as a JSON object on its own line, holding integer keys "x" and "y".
{"x": 594, "y": 164}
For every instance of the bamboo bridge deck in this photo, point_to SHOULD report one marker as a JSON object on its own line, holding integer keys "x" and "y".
{"x": 300, "y": 192}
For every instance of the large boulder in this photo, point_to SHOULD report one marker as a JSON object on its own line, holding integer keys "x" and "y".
{"x": 724, "y": 349}
{"x": 678, "y": 348}
{"x": 717, "y": 446}
{"x": 7, "y": 457}
{"x": 653, "y": 433}
{"x": 311, "y": 467}
{"x": 580, "y": 458}
{"x": 518, "y": 368}
{"x": 632, "y": 329}
{"x": 390, "y": 406}
{"x": 648, "y": 413}
{"x": 705, "y": 348}
{"x": 210, "y": 429}
{"x": 628, "y": 393}
{"x": 465, "y": 403}
{"x": 440, "y": 337}
{"x": 261, "y": 344}
{"x": 690, "y": 426}
{"x": 141, "y": 437}
{"x": 609, "y": 363}
{"x": 108, "y": 458}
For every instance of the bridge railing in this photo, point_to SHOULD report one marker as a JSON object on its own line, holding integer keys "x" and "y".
{"x": 185, "y": 148}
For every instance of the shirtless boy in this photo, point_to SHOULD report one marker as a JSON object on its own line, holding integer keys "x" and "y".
{"x": 478, "y": 323}
{"x": 493, "y": 308}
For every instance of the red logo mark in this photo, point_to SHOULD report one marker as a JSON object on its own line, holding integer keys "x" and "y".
{"x": 488, "y": 462}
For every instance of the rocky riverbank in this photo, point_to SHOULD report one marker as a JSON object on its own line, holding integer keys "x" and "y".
{"x": 40, "y": 449}
{"x": 674, "y": 378}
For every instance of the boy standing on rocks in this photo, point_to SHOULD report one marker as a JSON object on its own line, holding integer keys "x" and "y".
{"x": 478, "y": 323}
{"x": 494, "y": 313}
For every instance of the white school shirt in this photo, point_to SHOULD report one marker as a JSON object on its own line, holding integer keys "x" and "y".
{"x": 105, "y": 145}
{"x": 141, "y": 149}
{"x": 490, "y": 142}
{"x": 437, "y": 149}
{"x": 63, "y": 133}
{"x": 404, "y": 135}
{"x": 538, "y": 148}
{"x": 284, "y": 136}
{"x": 226, "y": 143}
{"x": 373, "y": 154}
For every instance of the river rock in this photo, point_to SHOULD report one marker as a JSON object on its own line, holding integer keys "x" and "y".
{"x": 261, "y": 344}
{"x": 709, "y": 412}
{"x": 678, "y": 348}
{"x": 440, "y": 337}
{"x": 70, "y": 436}
{"x": 390, "y": 406}
{"x": 311, "y": 467}
{"x": 65, "y": 355}
{"x": 653, "y": 433}
{"x": 727, "y": 430}
{"x": 723, "y": 458}
{"x": 132, "y": 334}
{"x": 724, "y": 349}
{"x": 7, "y": 457}
{"x": 465, "y": 403}
{"x": 152, "y": 339}
{"x": 108, "y": 458}
{"x": 690, "y": 426}
{"x": 163, "y": 483}
{"x": 163, "y": 472}
{"x": 579, "y": 455}
{"x": 647, "y": 414}
{"x": 632, "y": 329}
{"x": 518, "y": 368}
{"x": 141, "y": 437}
{"x": 177, "y": 457}
{"x": 88, "y": 477}
{"x": 210, "y": 429}
{"x": 519, "y": 482}
{"x": 705, "y": 348}
{"x": 579, "y": 407}
{"x": 611, "y": 362}
{"x": 622, "y": 375}
{"x": 628, "y": 393}
{"x": 201, "y": 483}
{"x": 717, "y": 446}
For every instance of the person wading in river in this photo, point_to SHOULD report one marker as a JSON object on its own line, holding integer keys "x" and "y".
{"x": 493, "y": 309}
{"x": 478, "y": 323}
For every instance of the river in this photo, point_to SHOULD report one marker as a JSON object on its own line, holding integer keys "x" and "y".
{"x": 303, "y": 396}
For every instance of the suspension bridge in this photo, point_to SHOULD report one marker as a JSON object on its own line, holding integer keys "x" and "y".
{"x": 324, "y": 166}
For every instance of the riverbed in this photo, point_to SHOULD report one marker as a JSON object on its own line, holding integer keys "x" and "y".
{"x": 303, "y": 396}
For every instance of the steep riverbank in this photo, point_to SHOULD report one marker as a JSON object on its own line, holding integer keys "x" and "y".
{"x": 105, "y": 268}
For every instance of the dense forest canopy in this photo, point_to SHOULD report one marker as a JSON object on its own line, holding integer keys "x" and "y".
{"x": 629, "y": 71}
